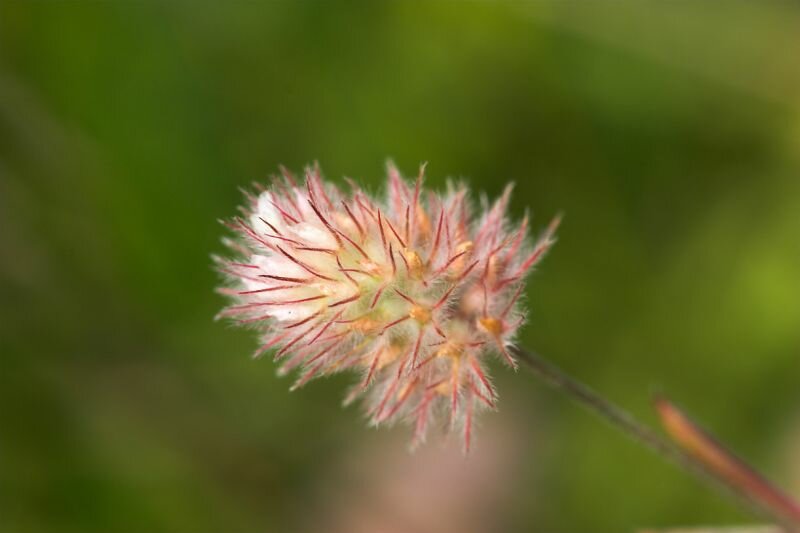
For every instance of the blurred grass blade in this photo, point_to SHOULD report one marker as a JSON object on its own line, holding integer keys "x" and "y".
{"x": 690, "y": 448}
{"x": 723, "y": 464}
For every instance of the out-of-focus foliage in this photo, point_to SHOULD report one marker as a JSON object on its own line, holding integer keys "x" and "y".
{"x": 668, "y": 134}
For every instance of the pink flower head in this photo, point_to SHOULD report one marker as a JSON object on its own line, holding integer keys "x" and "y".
{"x": 412, "y": 292}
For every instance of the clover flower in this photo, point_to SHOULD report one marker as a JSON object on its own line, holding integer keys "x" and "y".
{"x": 413, "y": 292}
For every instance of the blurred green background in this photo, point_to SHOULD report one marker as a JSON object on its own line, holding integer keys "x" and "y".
{"x": 668, "y": 133}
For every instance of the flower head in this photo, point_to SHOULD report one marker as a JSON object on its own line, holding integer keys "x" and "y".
{"x": 413, "y": 292}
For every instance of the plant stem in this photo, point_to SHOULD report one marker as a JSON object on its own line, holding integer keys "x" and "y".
{"x": 641, "y": 433}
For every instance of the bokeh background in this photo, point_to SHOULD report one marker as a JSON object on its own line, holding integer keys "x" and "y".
{"x": 668, "y": 133}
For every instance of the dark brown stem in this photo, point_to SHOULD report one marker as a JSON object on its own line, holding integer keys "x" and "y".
{"x": 643, "y": 434}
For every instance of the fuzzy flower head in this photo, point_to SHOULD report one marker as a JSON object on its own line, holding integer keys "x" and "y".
{"x": 413, "y": 292}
